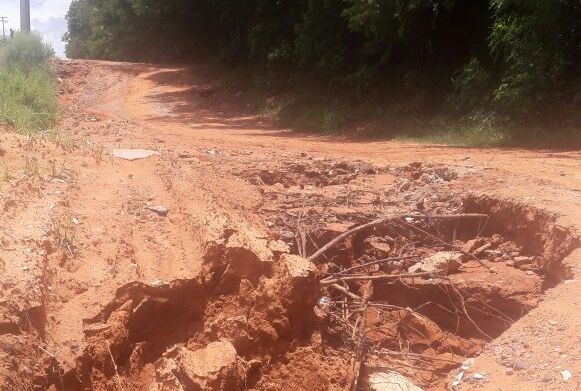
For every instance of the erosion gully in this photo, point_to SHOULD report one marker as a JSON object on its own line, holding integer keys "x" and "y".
{"x": 210, "y": 266}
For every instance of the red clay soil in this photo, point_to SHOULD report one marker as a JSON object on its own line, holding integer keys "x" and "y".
{"x": 180, "y": 271}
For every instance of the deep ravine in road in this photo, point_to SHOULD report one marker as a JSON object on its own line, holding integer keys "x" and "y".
{"x": 186, "y": 269}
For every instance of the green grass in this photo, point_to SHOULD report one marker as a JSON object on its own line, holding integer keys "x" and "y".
{"x": 28, "y": 100}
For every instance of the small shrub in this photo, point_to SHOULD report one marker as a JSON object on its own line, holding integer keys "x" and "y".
{"x": 26, "y": 52}
{"x": 27, "y": 95}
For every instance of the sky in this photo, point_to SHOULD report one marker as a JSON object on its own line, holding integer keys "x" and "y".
{"x": 47, "y": 17}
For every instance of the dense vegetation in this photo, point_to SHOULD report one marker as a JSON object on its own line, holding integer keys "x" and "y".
{"x": 493, "y": 63}
{"x": 27, "y": 96}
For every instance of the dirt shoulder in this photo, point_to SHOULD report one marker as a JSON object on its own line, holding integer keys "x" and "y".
{"x": 108, "y": 264}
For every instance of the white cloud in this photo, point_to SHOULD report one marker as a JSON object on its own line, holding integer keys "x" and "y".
{"x": 48, "y": 17}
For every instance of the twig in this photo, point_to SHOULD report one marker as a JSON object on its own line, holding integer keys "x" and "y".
{"x": 119, "y": 383}
{"x": 359, "y": 355}
{"x": 376, "y": 277}
{"x": 465, "y": 311}
{"x": 415, "y": 355}
{"x": 345, "y": 234}
{"x": 392, "y": 259}
{"x": 346, "y": 292}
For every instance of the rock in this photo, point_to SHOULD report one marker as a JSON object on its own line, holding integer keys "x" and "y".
{"x": 481, "y": 249}
{"x": 445, "y": 173}
{"x": 566, "y": 375}
{"x": 278, "y": 246}
{"x": 159, "y": 209}
{"x": 390, "y": 381}
{"x": 495, "y": 255}
{"x": 377, "y": 247}
{"x": 233, "y": 258}
{"x": 215, "y": 367}
{"x": 519, "y": 261}
{"x": 403, "y": 185}
{"x": 443, "y": 261}
{"x": 165, "y": 372}
{"x": 473, "y": 244}
{"x": 298, "y": 267}
{"x": 467, "y": 364}
{"x": 91, "y": 330}
{"x": 133, "y": 154}
{"x": 478, "y": 376}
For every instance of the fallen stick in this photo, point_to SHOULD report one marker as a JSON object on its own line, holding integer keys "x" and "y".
{"x": 383, "y": 220}
{"x": 346, "y": 292}
{"x": 465, "y": 311}
{"x": 377, "y": 277}
{"x": 415, "y": 355}
{"x": 392, "y": 259}
{"x": 119, "y": 382}
{"x": 360, "y": 354}
{"x": 480, "y": 250}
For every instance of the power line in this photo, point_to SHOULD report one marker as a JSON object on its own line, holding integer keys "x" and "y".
{"x": 3, "y": 19}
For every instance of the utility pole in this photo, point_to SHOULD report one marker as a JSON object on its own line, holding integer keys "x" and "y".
{"x": 25, "y": 15}
{"x": 3, "y": 19}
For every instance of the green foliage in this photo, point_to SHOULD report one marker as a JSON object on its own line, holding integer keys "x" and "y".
{"x": 26, "y": 52}
{"x": 518, "y": 59}
{"x": 27, "y": 95}
{"x": 537, "y": 45}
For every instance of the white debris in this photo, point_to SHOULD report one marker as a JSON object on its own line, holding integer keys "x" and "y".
{"x": 133, "y": 154}
{"x": 325, "y": 302}
{"x": 566, "y": 375}
{"x": 159, "y": 209}
{"x": 443, "y": 261}
{"x": 390, "y": 381}
{"x": 478, "y": 376}
{"x": 467, "y": 364}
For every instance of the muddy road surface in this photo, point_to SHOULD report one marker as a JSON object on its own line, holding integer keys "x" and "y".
{"x": 165, "y": 239}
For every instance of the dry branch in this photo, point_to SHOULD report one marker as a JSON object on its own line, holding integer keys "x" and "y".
{"x": 376, "y": 277}
{"x": 346, "y": 292}
{"x": 384, "y": 220}
{"x": 379, "y": 261}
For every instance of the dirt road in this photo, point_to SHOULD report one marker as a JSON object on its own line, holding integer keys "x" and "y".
{"x": 132, "y": 274}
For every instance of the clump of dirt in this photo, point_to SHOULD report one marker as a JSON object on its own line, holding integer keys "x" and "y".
{"x": 309, "y": 172}
{"x": 258, "y": 302}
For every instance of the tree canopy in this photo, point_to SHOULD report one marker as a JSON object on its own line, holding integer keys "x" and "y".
{"x": 517, "y": 58}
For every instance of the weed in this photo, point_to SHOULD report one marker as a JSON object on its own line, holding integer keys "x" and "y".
{"x": 64, "y": 139}
{"x": 6, "y": 174}
{"x": 59, "y": 171}
{"x": 31, "y": 166}
{"x": 63, "y": 230}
